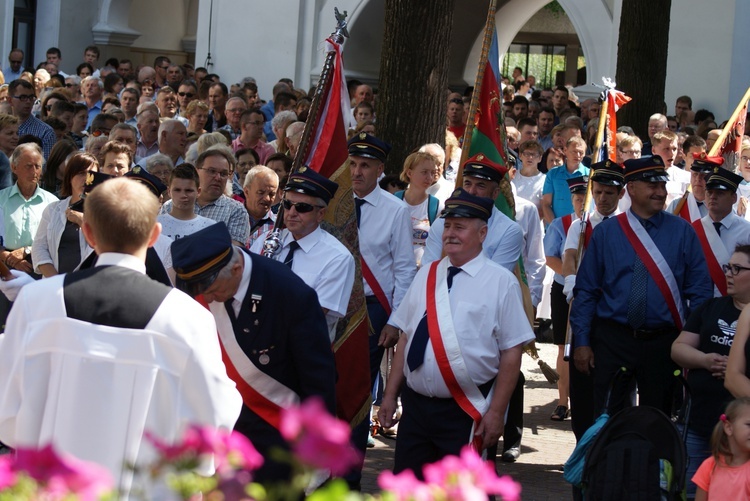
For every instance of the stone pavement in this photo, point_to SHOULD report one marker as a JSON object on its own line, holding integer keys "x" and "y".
{"x": 545, "y": 447}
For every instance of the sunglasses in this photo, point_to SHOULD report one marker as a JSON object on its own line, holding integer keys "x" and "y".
{"x": 301, "y": 207}
{"x": 185, "y": 94}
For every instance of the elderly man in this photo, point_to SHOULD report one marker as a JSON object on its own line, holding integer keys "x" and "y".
{"x": 215, "y": 166}
{"x": 235, "y": 108}
{"x": 251, "y": 125}
{"x": 260, "y": 189}
{"x": 174, "y": 76}
{"x": 656, "y": 123}
{"x": 294, "y": 137}
{"x": 22, "y": 97}
{"x": 632, "y": 321}
{"x": 172, "y": 141}
{"x": 148, "y": 126}
{"x": 280, "y": 122}
{"x": 272, "y": 329}
{"x": 159, "y": 373}
{"x": 311, "y": 252}
{"x": 446, "y": 339}
{"x": 166, "y": 101}
{"x": 15, "y": 68}
{"x": 125, "y": 134}
{"x": 91, "y": 88}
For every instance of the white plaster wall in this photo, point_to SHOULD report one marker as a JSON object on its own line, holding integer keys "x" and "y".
{"x": 700, "y": 49}
{"x": 250, "y": 39}
{"x": 6, "y": 31}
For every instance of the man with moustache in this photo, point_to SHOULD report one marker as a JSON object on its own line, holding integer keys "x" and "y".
{"x": 621, "y": 317}
{"x": 261, "y": 187}
{"x": 148, "y": 127}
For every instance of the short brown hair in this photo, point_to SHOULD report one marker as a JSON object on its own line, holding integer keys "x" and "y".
{"x": 531, "y": 145}
{"x": 217, "y": 150}
{"x": 79, "y": 162}
{"x": 8, "y": 120}
{"x": 185, "y": 171}
{"x": 121, "y": 214}
{"x": 116, "y": 147}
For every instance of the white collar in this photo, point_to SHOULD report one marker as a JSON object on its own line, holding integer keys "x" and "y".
{"x": 472, "y": 267}
{"x": 308, "y": 241}
{"x": 245, "y": 280}
{"x": 119, "y": 259}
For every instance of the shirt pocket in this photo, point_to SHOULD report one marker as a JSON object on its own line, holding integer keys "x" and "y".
{"x": 470, "y": 320}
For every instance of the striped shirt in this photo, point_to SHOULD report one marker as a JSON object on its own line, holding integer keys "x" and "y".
{"x": 36, "y": 127}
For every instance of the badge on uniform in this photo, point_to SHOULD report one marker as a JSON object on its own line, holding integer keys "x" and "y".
{"x": 255, "y": 299}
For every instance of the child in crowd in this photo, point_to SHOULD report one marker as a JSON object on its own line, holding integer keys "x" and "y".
{"x": 182, "y": 219}
{"x": 726, "y": 474}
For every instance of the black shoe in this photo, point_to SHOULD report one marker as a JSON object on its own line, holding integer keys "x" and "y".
{"x": 511, "y": 455}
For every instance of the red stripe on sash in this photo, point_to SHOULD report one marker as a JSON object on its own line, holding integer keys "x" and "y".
{"x": 375, "y": 286}
{"x": 714, "y": 268}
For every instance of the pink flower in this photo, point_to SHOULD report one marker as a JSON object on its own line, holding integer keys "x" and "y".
{"x": 7, "y": 475}
{"x": 318, "y": 439}
{"x": 237, "y": 451}
{"x": 405, "y": 486}
{"x": 469, "y": 477}
{"x": 61, "y": 475}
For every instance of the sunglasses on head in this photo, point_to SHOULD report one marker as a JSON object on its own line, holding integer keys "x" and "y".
{"x": 301, "y": 207}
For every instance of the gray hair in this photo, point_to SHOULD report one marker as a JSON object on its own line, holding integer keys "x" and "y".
{"x": 91, "y": 78}
{"x": 282, "y": 117}
{"x": 146, "y": 107}
{"x": 159, "y": 159}
{"x": 22, "y": 148}
{"x": 261, "y": 170}
{"x": 167, "y": 126}
{"x": 295, "y": 129}
{"x": 124, "y": 126}
{"x": 75, "y": 78}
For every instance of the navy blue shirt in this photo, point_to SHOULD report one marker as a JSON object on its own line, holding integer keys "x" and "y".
{"x": 604, "y": 278}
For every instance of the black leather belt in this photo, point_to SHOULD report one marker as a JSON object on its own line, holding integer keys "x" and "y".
{"x": 648, "y": 334}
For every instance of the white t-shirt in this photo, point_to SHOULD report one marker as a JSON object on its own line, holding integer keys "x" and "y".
{"x": 530, "y": 188}
{"x": 177, "y": 228}
{"x": 420, "y": 224}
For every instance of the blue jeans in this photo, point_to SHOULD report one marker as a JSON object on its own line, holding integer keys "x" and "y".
{"x": 698, "y": 449}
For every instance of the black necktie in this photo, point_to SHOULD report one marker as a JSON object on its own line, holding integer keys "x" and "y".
{"x": 415, "y": 357}
{"x": 293, "y": 246}
{"x": 605, "y": 218}
{"x": 358, "y": 203}
{"x": 717, "y": 225}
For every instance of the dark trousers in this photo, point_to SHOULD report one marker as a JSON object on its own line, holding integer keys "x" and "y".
{"x": 648, "y": 360}
{"x": 582, "y": 410}
{"x": 430, "y": 429}
{"x": 378, "y": 319}
{"x": 513, "y": 430}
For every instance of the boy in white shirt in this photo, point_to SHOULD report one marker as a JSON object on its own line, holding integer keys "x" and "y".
{"x": 182, "y": 219}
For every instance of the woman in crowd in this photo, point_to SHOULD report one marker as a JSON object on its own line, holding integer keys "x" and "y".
{"x": 419, "y": 171}
{"x": 48, "y": 101}
{"x": 197, "y": 116}
{"x": 247, "y": 158}
{"x": 59, "y": 245}
{"x": 84, "y": 70}
{"x": 161, "y": 167}
{"x": 52, "y": 179}
{"x": 116, "y": 159}
{"x": 113, "y": 84}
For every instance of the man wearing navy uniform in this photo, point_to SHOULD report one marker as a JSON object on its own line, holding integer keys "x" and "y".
{"x": 464, "y": 307}
{"x": 272, "y": 331}
{"x": 620, "y": 315}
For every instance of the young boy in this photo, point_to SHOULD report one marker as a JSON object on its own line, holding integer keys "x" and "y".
{"x": 182, "y": 219}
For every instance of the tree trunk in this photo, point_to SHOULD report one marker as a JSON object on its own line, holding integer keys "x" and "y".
{"x": 642, "y": 61}
{"x": 413, "y": 76}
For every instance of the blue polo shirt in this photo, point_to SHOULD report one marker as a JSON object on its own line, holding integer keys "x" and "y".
{"x": 556, "y": 183}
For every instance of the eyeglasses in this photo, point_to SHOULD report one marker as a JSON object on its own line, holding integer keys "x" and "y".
{"x": 735, "y": 268}
{"x": 26, "y": 97}
{"x": 223, "y": 174}
{"x": 529, "y": 154}
{"x": 185, "y": 94}
{"x": 237, "y": 110}
{"x": 69, "y": 85}
{"x": 301, "y": 207}
{"x": 745, "y": 159}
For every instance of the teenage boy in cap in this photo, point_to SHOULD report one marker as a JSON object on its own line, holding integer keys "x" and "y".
{"x": 272, "y": 330}
{"x": 387, "y": 256}
{"x": 620, "y": 315}
{"x": 694, "y": 207}
{"x": 554, "y": 247}
{"x": 450, "y": 293}
{"x": 159, "y": 371}
{"x": 311, "y": 252}
{"x": 481, "y": 178}
{"x": 607, "y": 189}
{"x": 721, "y": 231}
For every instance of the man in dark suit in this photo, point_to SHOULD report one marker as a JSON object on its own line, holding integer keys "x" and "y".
{"x": 272, "y": 330}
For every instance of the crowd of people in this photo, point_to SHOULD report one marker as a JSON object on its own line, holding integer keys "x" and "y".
{"x": 660, "y": 285}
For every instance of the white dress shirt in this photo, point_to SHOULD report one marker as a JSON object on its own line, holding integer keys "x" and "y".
{"x": 503, "y": 243}
{"x": 488, "y": 317}
{"x": 534, "y": 261}
{"x": 574, "y": 232}
{"x": 385, "y": 243}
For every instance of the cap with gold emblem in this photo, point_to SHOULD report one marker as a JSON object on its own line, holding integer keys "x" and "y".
{"x": 463, "y": 204}
{"x": 309, "y": 182}
{"x": 368, "y": 146}
{"x": 481, "y": 167}
{"x": 723, "y": 179}
{"x": 608, "y": 172}
{"x": 648, "y": 169}
{"x": 705, "y": 164}
{"x": 198, "y": 258}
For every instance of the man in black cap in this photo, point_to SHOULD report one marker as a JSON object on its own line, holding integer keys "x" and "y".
{"x": 469, "y": 307}
{"x": 694, "y": 206}
{"x": 607, "y": 183}
{"x": 642, "y": 273}
{"x": 311, "y": 252}
{"x": 721, "y": 231}
{"x": 272, "y": 331}
{"x": 387, "y": 255}
{"x": 112, "y": 354}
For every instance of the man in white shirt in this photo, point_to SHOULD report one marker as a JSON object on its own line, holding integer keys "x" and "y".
{"x": 141, "y": 365}
{"x": 463, "y": 307}
{"x": 312, "y": 253}
{"x": 386, "y": 251}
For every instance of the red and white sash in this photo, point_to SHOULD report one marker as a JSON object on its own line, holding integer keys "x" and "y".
{"x": 714, "y": 250}
{"x": 264, "y": 395}
{"x": 655, "y": 263}
{"x": 447, "y": 350}
{"x": 566, "y": 221}
{"x": 690, "y": 211}
{"x": 369, "y": 277}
